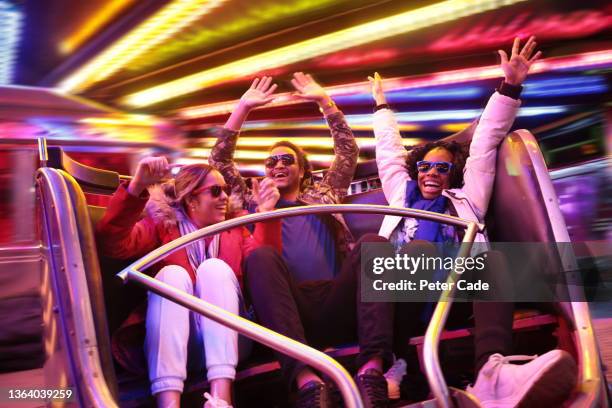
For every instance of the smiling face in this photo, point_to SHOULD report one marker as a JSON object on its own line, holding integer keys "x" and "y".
{"x": 203, "y": 208}
{"x": 432, "y": 183}
{"x": 286, "y": 177}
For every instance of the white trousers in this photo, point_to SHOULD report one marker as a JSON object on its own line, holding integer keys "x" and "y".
{"x": 172, "y": 330}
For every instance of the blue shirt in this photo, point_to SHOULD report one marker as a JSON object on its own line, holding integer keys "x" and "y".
{"x": 309, "y": 245}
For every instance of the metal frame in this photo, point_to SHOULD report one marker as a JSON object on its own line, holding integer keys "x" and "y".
{"x": 89, "y": 377}
{"x": 289, "y": 346}
{"x": 592, "y": 387}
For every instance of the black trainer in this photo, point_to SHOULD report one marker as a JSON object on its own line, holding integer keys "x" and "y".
{"x": 313, "y": 395}
{"x": 372, "y": 386}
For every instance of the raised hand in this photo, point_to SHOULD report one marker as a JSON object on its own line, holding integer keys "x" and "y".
{"x": 266, "y": 194}
{"x": 517, "y": 68}
{"x": 260, "y": 93}
{"x": 150, "y": 170}
{"x": 308, "y": 89}
{"x": 377, "y": 89}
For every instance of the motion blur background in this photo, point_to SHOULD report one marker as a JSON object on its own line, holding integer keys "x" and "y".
{"x": 112, "y": 80}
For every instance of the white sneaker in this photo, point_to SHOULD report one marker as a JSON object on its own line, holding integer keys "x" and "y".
{"x": 394, "y": 378}
{"x": 546, "y": 381}
{"x": 214, "y": 402}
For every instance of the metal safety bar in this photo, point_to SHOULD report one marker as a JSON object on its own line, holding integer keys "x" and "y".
{"x": 284, "y": 344}
{"x": 431, "y": 360}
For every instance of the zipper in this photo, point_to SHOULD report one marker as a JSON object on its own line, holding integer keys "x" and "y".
{"x": 453, "y": 195}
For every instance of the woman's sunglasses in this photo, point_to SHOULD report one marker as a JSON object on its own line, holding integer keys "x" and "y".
{"x": 442, "y": 167}
{"x": 215, "y": 190}
{"x": 287, "y": 160}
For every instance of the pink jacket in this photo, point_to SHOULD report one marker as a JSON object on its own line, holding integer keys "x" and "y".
{"x": 471, "y": 200}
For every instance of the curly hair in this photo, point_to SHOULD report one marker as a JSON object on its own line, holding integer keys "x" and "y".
{"x": 458, "y": 150}
{"x": 302, "y": 160}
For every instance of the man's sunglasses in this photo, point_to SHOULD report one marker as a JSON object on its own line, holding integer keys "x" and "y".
{"x": 442, "y": 167}
{"x": 287, "y": 160}
{"x": 215, "y": 190}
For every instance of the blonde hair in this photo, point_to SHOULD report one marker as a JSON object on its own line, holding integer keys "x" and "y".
{"x": 185, "y": 182}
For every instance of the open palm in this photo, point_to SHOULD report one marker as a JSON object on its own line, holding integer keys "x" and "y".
{"x": 260, "y": 93}
{"x": 517, "y": 67}
{"x": 307, "y": 88}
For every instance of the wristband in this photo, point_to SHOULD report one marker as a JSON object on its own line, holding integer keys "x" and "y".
{"x": 511, "y": 91}
{"x": 327, "y": 105}
{"x": 381, "y": 106}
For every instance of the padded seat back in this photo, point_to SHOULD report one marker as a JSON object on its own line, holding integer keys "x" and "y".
{"x": 361, "y": 224}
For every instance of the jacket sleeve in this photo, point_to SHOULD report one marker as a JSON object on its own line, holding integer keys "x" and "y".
{"x": 390, "y": 154}
{"x": 120, "y": 233}
{"x": 479, "y": 173}
{"x": 346, "y": 151}
{"x": 266, "y": 233}
{"x": 222, "y": 158}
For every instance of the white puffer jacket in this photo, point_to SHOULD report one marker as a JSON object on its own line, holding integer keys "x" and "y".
{"x": 470, "y": 201}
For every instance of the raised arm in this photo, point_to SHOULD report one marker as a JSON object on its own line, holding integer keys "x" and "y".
{"x": 390, "y": 152}
{"x": 346, "y": 152}
{"x": 495, "y": 123}
{"x": 222, "y": 154}
{"x": 120, "y": 233}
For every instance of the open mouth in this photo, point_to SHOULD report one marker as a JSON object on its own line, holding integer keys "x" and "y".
{"x": 432, "y": 184}
{"x": 279, "y": 175}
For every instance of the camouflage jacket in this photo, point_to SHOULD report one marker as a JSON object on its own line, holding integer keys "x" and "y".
{"x": 330, "y": 190}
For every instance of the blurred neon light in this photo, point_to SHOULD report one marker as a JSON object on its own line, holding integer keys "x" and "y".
{"x": 362, "y": 34}
{"x": 126, "y": 120}
{"x": 454, "y": 127}
{"x": 304, "y": 142}
{"x": 207, "y": 36}
{"x": 102, "y": 17}
{"x": 10, "y": 32}
{"x": 577, "y": 61}
{"x": 415, "y": 95}
{"x": 258, "y": 155}
{"x": 408, "y": 118}
{"x": 162, "y": 25}
{"x": 570, "y": 25}
{"x": 568, "y": 86}
{"x": 314, "y": 125}
{"x": 460, "y": 114}
{"x": 565, "y": 86}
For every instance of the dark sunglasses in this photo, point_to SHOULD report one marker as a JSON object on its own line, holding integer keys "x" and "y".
{"x": 287, "y": 160}
{"x": 215, "y": 190}
{"x": 442, "y": 167}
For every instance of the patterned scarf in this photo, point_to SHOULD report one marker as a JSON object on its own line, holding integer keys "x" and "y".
{"x": 196, "y": 251}
{"x": 427, "y": 230}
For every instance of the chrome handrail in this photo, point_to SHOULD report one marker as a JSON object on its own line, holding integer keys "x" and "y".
{"x": 284, "y": 344}
{"x": 43, "y": 154}
{"x": 91, "y": 373}
{"x": 431, "y": 360}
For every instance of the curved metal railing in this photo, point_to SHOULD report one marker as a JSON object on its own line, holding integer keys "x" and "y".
{"x": 289, "y": 346}
{"x": 89, "y": 373}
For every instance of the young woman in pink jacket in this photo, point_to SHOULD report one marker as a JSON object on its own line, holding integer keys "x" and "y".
{"x": 441, "y": 177}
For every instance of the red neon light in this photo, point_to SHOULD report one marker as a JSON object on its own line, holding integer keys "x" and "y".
{"x": 580, "y": 23}
{"x": 352, "y": 58}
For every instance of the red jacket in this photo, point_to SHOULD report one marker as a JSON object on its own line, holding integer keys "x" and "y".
{"x": 123, "y": 233}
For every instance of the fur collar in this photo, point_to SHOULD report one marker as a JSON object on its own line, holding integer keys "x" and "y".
{"x": 158, "y": 207}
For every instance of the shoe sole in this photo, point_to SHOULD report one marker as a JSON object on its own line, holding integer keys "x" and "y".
{"x": 553, "y": 387}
